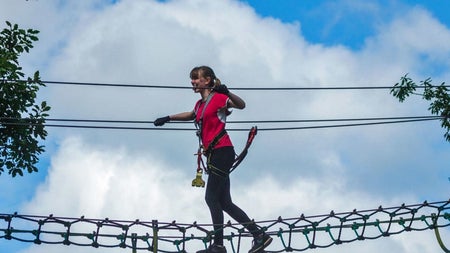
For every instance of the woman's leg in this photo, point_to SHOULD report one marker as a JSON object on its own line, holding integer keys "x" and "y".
{"x": 236, "y": 212}
{"x": 214, "y": 189}
{"x": 218, "y": 196}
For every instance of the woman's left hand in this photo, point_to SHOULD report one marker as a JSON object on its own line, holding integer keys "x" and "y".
{"x": 222, "y": 88}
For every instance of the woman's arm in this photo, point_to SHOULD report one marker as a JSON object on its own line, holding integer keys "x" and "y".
{"x": 235, "y": 101}
{"x": 183, "y": 116}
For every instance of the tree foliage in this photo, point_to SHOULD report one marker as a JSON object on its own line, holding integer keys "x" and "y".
{"x": 22, "y": 118}
{"x": 438, "y": 96}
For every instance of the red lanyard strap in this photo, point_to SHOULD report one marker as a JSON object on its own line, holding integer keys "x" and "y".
{"x": 241, "y": 156}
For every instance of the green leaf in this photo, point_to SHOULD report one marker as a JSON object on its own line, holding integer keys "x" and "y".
{"x": 19, "y": 139}
{"x": 438, "y": 96}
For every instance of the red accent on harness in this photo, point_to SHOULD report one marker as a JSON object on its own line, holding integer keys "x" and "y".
{"x": 251, "y": 136}
{"x": 241, "y": 156}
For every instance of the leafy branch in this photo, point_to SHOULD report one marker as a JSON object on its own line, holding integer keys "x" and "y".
{"x": 438, "y": 96}
{"x": 19, "y": 138}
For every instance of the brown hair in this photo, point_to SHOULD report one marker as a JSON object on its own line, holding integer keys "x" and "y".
{"x": 205, "y": 72}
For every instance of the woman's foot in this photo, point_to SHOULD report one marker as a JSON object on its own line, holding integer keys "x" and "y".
{"x": 260, "y": 243}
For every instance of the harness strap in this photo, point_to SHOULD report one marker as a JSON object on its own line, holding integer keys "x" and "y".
{"x": 199, "y": 123}
{"x": 207, "y": 151}
{"x": 201, "y": 149}
{"x": 198, "y": 181}
{"x": 241, "y": 156}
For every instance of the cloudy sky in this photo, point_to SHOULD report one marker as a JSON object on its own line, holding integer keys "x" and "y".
{"x": 146, "y": 174}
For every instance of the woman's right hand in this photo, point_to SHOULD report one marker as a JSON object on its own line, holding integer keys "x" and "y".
{"x": 161, "y": 121}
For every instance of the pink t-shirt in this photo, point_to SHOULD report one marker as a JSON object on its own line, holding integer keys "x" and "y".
{"x": 214, "y": 119}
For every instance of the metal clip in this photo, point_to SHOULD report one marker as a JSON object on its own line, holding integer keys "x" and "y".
{"x": 198, "y": 180}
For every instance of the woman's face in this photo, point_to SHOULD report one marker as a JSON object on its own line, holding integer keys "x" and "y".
{"x": 199, "y": 82}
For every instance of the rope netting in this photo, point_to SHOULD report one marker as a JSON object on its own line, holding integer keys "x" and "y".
{"x": 290, "y": 234}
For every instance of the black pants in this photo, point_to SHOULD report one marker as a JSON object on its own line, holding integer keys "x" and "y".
{"x": 218, "y": 195}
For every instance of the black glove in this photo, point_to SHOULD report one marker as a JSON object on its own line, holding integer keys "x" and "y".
{"x": 161, "y": 121}
{"x": 221, "y": 89}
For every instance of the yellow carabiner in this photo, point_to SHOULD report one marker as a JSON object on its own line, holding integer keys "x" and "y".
{"x": 198, "y": 180}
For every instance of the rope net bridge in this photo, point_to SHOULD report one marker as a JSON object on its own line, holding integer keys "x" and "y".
{"x": 291, "y": 234}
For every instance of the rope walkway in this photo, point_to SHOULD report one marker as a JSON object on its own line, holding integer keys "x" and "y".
{"x": 292, "y": 234}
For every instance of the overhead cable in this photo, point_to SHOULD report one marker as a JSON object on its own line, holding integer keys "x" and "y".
{"x": 374, "y": 121}
{"x": 121, "y": 85}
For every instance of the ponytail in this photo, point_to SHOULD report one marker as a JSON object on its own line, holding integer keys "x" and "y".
{"x": 216, "y": 82}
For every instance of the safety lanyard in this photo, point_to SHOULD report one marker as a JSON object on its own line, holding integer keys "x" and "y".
{"x": 198, "y": 181}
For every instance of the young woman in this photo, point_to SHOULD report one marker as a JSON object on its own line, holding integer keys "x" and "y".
{"x": 210, "y": 114}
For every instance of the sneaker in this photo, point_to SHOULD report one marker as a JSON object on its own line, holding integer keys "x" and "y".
{"x": 214, "y": 248}
{"x": 260, "y": 243}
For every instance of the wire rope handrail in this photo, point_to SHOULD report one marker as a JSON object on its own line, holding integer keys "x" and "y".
{"x": 370, "y": 121}
{"x": 189, "y": 87}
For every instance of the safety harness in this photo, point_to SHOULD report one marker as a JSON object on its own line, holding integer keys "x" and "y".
{"x": 198, "y": 181}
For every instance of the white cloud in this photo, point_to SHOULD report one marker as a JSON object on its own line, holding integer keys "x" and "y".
{"x": 129, "y": 175}
{"x": 94, "y": 182}
{"x": 114, "y": 184}
{"x": 416, "y": 40}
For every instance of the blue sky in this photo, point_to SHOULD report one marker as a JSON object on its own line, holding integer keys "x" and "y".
{"x": 257, "y": 43}
{"x": 339, "y": 22}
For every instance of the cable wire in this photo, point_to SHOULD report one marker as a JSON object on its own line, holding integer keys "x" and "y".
{"x": 379, "y": 121}
{"x": 252, "y": 121}
{"x": 121, "y": 85}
